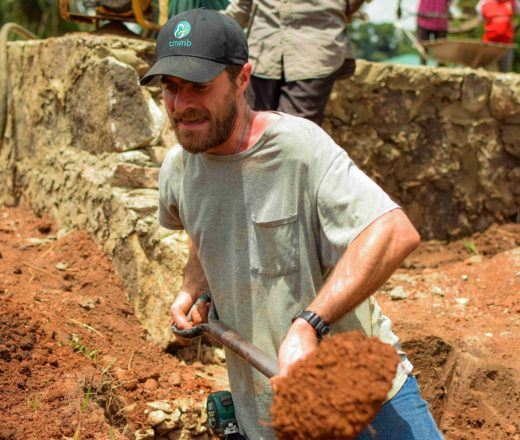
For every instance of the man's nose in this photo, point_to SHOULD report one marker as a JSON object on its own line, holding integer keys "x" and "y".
{"x": 182, "y": 101}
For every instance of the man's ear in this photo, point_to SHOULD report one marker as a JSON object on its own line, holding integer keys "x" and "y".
{"x": 244, "y": 77}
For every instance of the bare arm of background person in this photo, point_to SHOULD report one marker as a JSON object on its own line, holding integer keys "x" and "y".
{"x": 194, "y": 284}
{"x": 366, "y": 264}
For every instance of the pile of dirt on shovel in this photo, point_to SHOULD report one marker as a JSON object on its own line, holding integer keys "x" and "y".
{"x": 336, "y": 391}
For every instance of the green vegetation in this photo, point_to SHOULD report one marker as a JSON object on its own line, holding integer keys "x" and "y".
{"x": 86, "y": 399}
{"x": 78, "y": 347}
{"x": 470, "y": 247}
{"x": 379, "y": 41}
{"x": 34, "y": 402}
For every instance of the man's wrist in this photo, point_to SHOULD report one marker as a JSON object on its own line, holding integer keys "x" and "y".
{"x": 194, "y": 293}
{"x": 320, "y": 327}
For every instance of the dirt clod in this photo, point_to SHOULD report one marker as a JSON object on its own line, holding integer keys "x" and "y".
{"x": 335, "y": 392}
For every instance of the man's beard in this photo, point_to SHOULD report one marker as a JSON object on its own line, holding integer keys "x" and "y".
{"x": 220, "y": 126}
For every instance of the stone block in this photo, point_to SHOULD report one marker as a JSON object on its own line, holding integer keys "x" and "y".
{"x": 136, "y": 157}
{"x": 504, "y": 101}
{"x": 475, "y": 92}
{"x": 134, "y": 176}
{"x": 140, "y": 200}
{"x": 511, "y": 139}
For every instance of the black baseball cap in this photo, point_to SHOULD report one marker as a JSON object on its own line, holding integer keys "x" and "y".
{"x": 197, "y": 45}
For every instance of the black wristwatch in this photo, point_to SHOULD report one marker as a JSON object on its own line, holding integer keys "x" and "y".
{"x": 321, "y": 327}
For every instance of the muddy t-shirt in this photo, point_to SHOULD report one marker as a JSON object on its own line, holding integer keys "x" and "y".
{"x": 268, "y": 223}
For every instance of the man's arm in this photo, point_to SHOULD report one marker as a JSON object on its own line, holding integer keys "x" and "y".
{"x": 366, "y": 264}
{"x": 194, "y": 284}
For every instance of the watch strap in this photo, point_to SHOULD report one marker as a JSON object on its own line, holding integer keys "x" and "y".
{"x": 319, "y": 325}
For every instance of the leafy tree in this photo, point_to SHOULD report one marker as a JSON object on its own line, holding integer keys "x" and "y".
{"x": 378, "y": 41}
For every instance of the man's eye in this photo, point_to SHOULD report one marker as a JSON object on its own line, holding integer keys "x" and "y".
{"x": 170, "y": 87}
{"x": 200, "y": 86}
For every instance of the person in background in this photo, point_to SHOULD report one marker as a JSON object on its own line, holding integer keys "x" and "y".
{"x": 498, "y": 18}
{"x": 432, "y": 19}
{"x": 298, "y": 49}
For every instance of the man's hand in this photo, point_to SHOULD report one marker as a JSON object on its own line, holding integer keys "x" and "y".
{"x": 182, "y": 305}
{"x": 300, "y": 340}
{"x": 194, "y": 283}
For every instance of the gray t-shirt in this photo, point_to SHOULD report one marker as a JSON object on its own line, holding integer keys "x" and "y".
{"x": 268, "y": 224}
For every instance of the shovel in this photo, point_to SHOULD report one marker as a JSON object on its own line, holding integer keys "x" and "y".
{"x": 228, "y": 337}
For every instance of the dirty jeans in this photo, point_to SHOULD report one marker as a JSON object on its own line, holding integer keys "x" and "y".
{"x": 405, "y": 417}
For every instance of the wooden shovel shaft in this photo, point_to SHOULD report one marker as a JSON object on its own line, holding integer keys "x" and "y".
{"x": 228, "y": 337}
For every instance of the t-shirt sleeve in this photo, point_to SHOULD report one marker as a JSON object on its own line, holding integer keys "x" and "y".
{"x": 170, "y": 182}
{"x": 347, "y": 202}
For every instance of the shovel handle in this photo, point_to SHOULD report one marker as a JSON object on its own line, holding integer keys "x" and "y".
{"x": 230, "y": 339}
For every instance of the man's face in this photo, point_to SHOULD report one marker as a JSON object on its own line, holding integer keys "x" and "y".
{"x": 202, "y": 114}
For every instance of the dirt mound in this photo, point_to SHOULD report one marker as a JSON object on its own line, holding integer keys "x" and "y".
{"x": 74, "y": 361}
{"x": 335, "y": 392}
{"x": 459, "y": 326}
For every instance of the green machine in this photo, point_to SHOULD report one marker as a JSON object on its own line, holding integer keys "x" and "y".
{"x": 221, "y": 413}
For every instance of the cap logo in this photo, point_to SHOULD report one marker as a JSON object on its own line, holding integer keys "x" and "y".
{"x": 182, "y": 29}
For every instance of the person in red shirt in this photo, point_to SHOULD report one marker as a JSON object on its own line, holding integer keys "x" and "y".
{"x": 498, "y": 18}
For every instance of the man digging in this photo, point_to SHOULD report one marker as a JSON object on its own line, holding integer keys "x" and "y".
{"x": 270, "y": 203}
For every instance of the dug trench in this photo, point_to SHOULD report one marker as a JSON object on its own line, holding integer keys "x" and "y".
{"x": 75, "y": 363}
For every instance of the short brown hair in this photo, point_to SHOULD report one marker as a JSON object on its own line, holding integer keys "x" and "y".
{"x": 233, "y": 70}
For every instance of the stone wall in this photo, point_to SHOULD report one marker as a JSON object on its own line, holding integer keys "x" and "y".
{"x": 83, "y": 142}
{"x": 445, "y": 143}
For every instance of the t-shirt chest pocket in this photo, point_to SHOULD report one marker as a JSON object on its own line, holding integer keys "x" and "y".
{"x": 275, "y": 245}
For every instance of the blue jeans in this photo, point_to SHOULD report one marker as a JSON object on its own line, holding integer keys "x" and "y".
{"x": 404, "y": 417}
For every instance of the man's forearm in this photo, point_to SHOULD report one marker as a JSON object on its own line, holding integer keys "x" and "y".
{"x": 366, "y": 264}
{"x": 194, "y": 279}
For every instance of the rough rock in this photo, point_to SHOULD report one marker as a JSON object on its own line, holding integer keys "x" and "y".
{"x": 143, "y": 434}
{"x": 135, "y": 157}
{"x": 150, "y": 385}
{"x": 399, "y": 293}
{"x": 436, "y": 290}
{"x": 134, "y": 176}
{"x": 161, "y": 405}
{"x": 156, "y": 417}
{"x": 445, "y": 144}
{"x": 173, "y": 421}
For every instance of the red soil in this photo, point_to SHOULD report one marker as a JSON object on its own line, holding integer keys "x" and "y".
{"x": 335, "y": 392}
{"x": 67, "y": 327}
{"x": 72, "y": 356}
